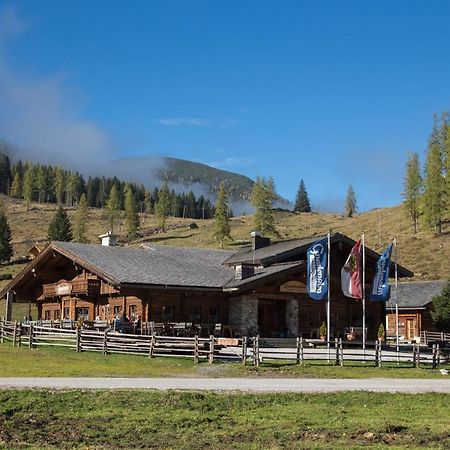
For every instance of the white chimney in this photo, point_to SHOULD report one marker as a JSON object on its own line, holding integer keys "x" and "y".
{"x": 108, "y": 239}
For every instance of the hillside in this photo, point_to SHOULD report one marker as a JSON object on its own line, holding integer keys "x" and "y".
{"x": 427, "y": 255}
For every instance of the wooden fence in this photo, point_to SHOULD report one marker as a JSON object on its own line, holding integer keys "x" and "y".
{"x": 255, "y": 349}
{"x": 434, "y": 336}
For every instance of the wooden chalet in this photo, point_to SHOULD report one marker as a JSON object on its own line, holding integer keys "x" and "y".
{"x": 260, "y": 289}
{"x": 415, "y": 300}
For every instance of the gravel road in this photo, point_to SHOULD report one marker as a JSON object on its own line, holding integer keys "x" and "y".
{"x": 235, "y": 384}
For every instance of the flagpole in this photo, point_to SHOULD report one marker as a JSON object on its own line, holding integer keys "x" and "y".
{"x": 396, "y": 298}
{"x": 329, "y": 294}
{"x": 363, "y": 296}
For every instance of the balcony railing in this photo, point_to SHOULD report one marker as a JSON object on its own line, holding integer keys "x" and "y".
{"x": 88, "y": 287}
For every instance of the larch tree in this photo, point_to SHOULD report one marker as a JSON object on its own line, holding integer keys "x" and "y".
{"x": 350, "y": 202}
{"x": 112, "y": 207}
{"x": 16, "y": 186}
{"x": 302, "y": 203}
{"x": 413, "y": 189}
{"x": 262, "y": 198}
{"x": 60, "y": 184}
{"x": 60, "y": 228}
{"x": 162, "y": 205}
{"x": 222, "y": 230}
{"x": 131, "y": 214}
{"x": 28, "y": 186}
{"x": 434, "y": 183}
{"x": 81, "y": 220}
{"x": 6, "y": 248}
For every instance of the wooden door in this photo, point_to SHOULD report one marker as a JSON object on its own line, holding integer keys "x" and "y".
{"x": 272, "y": 318}
{"x": 410, "y": 329}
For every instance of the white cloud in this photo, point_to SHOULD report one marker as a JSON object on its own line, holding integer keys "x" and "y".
{"x": 232, "y": 162}
{"x": 186, "y": 122}
{"x": 37, "y": 114}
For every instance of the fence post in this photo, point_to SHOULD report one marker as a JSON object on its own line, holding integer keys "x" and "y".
{"x": 425, "y": 337}
{"x": 256, "y": 351}
{"x": 302, "y": 358}
{"x": 211, "y": 349}
{"x": 152, "y": 346}
{"x": 1, "y": 332}
{"x": 105, "y": 342}
{"x": 78, "y": 339}
{"x": 380, "y": 348}
{"x": 30, "y": 340}
{"x": 336, "y": 348}
{"x": 196, "y": 350}
{"x": 244, "y": 350}
{"x": 15, "y": 334}
{"x": 433, "y": 363}
{"x": 438, "y": 355}
{"x": 19, "y": 337}
{"x": 298, "y": 350}
{"x": 341, "y": 349}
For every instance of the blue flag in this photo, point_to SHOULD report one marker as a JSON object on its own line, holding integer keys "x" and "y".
{"x": 380, "y": 291}
{"x": 316, "y": 278}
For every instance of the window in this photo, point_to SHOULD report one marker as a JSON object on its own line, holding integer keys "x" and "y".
{"x": 57, "y": 314}
{"x": 132, "y": 309}
{"x": 117, "y": 310}
{"x": 194, "y": 315}
{"x": 168, "y": 313}
{"x": 213, "y": 314}
{"x": 47, "y": 315}
{"x": 66, "y": 312}
{"x": 82, "y": 313}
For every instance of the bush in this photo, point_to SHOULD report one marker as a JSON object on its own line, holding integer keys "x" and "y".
{"x": 440, "y": 312}
{"x": 5, "y": 276}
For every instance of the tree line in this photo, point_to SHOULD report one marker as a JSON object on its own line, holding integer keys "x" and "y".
{"x": 52, "y": 184}
{"x": 427, "y": 190}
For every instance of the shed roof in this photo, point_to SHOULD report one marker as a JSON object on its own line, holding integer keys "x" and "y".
{"x": 416, "y": 294}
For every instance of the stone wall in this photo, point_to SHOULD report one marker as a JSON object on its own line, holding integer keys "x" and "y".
{"x": 292, "y": 317}
{"x": 243, "y": 315}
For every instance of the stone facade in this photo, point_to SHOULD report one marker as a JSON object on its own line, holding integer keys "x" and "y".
{"x": 243, "y": 315}
{"x": 292, "y": 317}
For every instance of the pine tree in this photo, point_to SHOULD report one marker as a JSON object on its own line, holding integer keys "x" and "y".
{"x": 222, "y": 229}
{"x": 262, "y": 198}
{"x": 434, "y": 182}
{"x": 440, "y": 312}
{"x": 162, "y": 206}
{"x": 131, "y": 214}
{"x": 413, "y": 188}
{"x": 60, "y": 228}
{"x": 350, "y": 202}
{"x": 5, "y": 174}
{"x": 6, "y": 249}
{"x": 112, "y": 207}
{"x": 302, "y": 201}
{"x": 28, "y": 186}
{"x": 81, "y": 219}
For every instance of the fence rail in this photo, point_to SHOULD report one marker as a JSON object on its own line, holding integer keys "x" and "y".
{"x": 247, "y": 349}
{"x": 434, "y": 336}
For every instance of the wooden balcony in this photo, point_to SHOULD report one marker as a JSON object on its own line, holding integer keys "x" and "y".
{"x": 89, "y": 287}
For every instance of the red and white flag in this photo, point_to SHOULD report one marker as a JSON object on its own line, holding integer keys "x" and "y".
{"x": 351, "y": 273}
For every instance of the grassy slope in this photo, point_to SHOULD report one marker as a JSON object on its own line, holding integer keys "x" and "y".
{"x": 427, "y": 255}
{"x": 186, "y": 420}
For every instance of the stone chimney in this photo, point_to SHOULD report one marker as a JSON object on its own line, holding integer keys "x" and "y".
{"x": 243, "y": 271}
{"x": 258, "y": 241}
{"x": 108, "y": 239}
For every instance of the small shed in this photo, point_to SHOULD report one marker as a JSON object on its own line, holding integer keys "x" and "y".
{"x": 415, "y": 300}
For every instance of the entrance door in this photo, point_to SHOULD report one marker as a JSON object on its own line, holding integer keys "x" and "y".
{"x": 272, "y": 318}
{"x": 410, "y": 329}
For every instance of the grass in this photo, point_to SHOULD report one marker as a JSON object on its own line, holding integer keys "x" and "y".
{"x": 424, "y": 253}
{"x": 63, "y": 362}
{"x": 188, "y": 420}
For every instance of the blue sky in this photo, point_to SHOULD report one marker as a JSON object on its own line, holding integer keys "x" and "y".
{"x": 331, "y": 92}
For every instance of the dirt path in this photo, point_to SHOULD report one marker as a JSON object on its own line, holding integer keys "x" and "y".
{"x": 234, "y": 384}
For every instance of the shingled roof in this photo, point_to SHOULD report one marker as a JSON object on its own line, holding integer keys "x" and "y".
{"x": 155, "y": 264}
{"x": 415, "y": 294}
